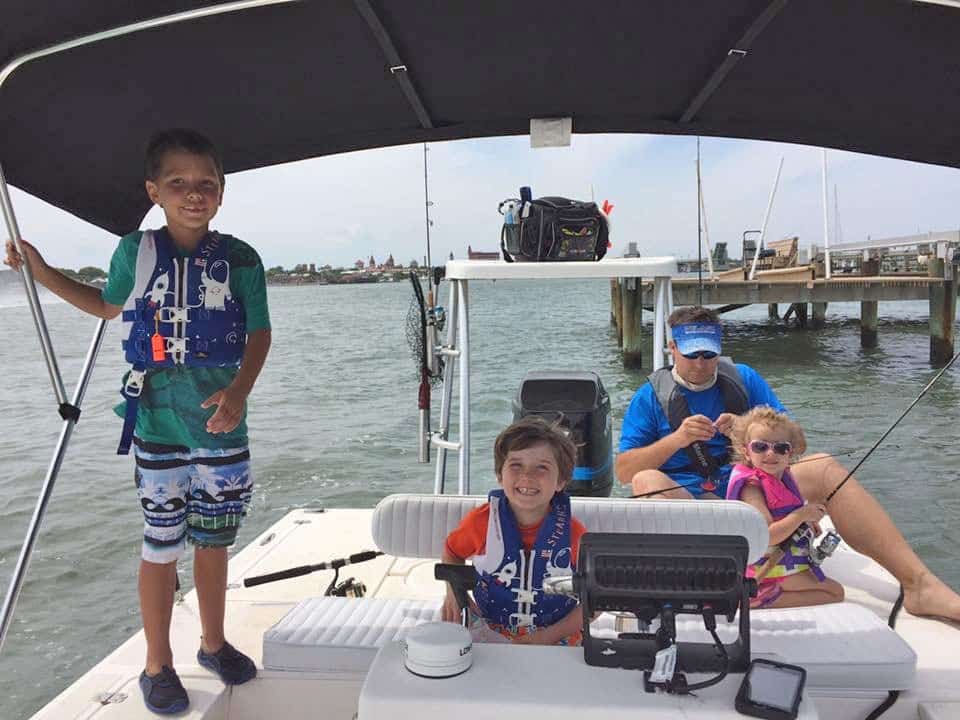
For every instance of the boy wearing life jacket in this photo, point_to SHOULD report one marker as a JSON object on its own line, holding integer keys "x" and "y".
{"x": 197, "y": 331}
{"x": 524, "y": 534}
{"x": 764, "y": 442}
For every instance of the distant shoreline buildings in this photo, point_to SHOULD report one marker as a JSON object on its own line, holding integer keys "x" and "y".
{"x": 362, "y": 271}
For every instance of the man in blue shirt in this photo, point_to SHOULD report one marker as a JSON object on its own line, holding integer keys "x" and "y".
{"x": 673, "y": 442}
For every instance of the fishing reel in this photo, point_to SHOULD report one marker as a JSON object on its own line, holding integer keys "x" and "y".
{"x": 436, "y": 321}
{"x": 816, "y": 554}
{"x": 351, "y": 588}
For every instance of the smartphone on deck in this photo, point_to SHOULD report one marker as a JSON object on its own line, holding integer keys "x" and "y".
{"x": 771, "y": 690}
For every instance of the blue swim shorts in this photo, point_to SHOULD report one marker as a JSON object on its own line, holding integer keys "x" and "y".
{"x": 190, "y": 494}
{"x": 693, "y": 484}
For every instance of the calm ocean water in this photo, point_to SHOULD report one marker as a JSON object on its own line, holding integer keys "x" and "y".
{"x": 333, "y": 421}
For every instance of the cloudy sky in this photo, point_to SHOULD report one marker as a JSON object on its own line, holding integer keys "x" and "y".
{"x": 341, "y": 208}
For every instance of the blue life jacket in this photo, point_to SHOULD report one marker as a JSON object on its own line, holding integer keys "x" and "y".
{"x": 186, "y": 301}
{"x": 509, "y": 590}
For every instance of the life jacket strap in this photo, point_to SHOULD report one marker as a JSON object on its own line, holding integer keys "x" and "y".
{"x": 132, "y": 389}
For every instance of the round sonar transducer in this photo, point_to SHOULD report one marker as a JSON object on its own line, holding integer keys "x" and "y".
{"x": 438, "y": 650}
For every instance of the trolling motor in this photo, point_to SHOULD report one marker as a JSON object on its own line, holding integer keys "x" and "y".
{"x": 578, "y": 401}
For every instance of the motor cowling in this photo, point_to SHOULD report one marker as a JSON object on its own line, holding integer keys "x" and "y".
{"x": 579, "y": 402}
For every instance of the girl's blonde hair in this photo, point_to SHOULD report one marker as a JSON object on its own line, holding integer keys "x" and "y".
{"x": 767, "y": 416}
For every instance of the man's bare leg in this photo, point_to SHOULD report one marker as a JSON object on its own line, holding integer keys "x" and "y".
{"x": 664, "y": 487}
{"x": 865, "y": 525}
{"x": 648, "y": 481}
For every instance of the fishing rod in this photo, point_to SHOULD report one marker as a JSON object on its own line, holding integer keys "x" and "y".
{"x": 307, "y": 569}
{"x": 831, "y": 541}
{"x": 798, "y": 462}
{"x": 895, "y": 423}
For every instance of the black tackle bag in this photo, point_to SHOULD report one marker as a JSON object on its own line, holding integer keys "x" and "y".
{"x": 553, "y": 229}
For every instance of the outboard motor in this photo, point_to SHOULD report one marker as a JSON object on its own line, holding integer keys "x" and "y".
{"x": 578, "y": 401}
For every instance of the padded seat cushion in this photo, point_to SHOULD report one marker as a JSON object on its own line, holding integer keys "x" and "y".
{"x": 418, "y": 525}
{"x": 842, "y": 646}
{"x": 335, "y": 634}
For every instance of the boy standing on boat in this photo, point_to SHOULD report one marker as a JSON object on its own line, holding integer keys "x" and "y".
{"x": 679, "y": 450}
{"x": 524, "y": 534}
{"x": 197, "y": 330}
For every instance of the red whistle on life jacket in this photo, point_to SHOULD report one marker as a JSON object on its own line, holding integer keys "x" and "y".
{"x": 158, "y": 347}
{"x": 708, "y": 485}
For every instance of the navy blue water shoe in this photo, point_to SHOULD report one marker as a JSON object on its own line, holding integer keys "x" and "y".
{"x": 163, "y": 693}
{"x": 233, "y": 667}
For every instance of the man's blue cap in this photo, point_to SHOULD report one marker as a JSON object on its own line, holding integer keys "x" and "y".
{"x": 694, "y": 337}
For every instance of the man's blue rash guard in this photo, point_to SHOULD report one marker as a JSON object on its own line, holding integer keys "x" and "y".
{"x": 645, "y": 422}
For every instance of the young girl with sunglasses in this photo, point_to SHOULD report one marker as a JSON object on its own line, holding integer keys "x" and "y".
{"x": 764, "y": 442}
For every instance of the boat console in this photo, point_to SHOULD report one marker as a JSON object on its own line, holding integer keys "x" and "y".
{"x": 655, "y": 578}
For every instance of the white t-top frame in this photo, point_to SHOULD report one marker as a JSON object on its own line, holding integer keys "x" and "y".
{"x": 456, "y": 351}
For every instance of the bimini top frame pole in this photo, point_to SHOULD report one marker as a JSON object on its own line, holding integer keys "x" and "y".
{"x": 70, "y": 412}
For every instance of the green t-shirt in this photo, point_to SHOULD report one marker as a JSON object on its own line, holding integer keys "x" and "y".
{"x": 169, "y": 411}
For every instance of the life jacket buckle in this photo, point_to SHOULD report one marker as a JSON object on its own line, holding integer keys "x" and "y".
{"x": 519, "y": 620}
{"x": 524, "y": 596}
{"x": 176, "y": 345}
{"x": 170, "y": 314}
{"x": 134, "y": 385}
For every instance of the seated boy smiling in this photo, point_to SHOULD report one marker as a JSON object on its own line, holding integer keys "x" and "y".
{"x": 524, "y": 534}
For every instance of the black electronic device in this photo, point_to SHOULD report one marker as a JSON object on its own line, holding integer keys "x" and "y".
{"x": 662, "y": 576}
{"x": 771, "y": 690}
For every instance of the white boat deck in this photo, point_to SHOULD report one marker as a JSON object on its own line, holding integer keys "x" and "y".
{"x": 304, "y": 537}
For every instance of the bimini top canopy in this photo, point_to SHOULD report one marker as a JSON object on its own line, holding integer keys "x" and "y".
{"x": 273, "y": 81}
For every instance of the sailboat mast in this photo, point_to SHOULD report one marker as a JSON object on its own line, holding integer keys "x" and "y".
{"x": 426, "y": 204}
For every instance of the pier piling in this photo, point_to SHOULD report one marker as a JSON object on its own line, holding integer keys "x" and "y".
{"x": 614, "y": 297}
{"x": 773, "y": 311}
{"x": 819, "y": 315}
{"x": 869, "y": 313}
{"x": 631, "y": 321}
{"x": 943, "y": 311}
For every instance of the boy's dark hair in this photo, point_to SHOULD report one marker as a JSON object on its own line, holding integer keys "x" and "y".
{"x": 534, "y": 430}
{"x": 692, "y": 314}
{"x": 183, "y": 140}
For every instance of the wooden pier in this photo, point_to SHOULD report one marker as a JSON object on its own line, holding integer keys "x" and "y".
{"x": 797, "y": 288}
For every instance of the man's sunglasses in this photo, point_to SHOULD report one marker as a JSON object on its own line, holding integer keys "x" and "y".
{"x": 705, "y": 354}
{"x": 760, "y": 447}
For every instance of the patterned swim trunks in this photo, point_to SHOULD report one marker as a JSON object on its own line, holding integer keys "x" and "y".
{"x": 190, "y": 494}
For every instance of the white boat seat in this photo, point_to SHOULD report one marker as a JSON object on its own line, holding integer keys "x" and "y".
{"x": 418, "y": 525}
{"x": 332, "y": 634}
{"x": 842, "y": 645}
